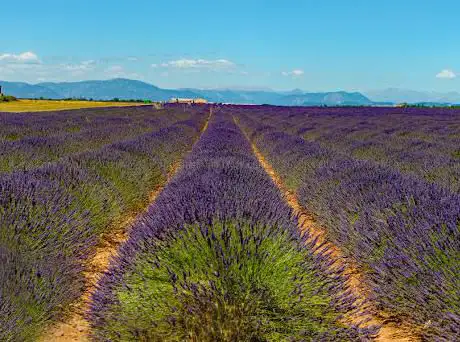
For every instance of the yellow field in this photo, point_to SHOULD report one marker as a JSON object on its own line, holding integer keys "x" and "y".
{"x": 46, "y": 105}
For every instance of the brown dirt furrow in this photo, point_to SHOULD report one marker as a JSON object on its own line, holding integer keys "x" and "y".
{"x": 389, "y": 331}
{"x": 74, "y": 327}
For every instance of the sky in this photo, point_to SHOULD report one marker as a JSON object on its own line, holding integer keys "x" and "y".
{"x": 311, "y": 45}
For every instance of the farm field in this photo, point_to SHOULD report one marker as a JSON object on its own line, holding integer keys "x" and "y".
{"x": 22, "y": 105}
{"x": 383, "y": 182}
{"x": 230, "y": 223}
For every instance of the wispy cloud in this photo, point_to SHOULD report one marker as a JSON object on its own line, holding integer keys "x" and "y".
{"x": 120, "y": 71}
{"x": 29, "y": 67}
{"x": 446, "y": 74}
{"x": 22, "y": 58}
{"x": 293, "y": 73}
{"x": 197, "y": 64}
{"x": 80, "y": 68}
{"x": 115, "y": 68}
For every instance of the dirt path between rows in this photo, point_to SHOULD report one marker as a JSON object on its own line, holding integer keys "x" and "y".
{"x": 76, "y": 328}
{"x": 389, "y": 331}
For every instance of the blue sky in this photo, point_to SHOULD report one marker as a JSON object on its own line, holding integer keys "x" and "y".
{"x": 312, "y": 45}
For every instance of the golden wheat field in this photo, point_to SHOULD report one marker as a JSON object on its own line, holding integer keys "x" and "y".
{"x": 47, "y": 105}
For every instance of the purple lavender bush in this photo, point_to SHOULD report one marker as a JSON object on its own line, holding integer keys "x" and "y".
{"x": 419, "y": 141}
{"x": 219, "y": 257}
{"x": 29, "y": 140}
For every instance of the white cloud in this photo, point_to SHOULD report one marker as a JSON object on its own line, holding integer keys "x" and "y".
{"x": 293, "y": 73}
{"x": 4, "y": 71}
{"x": 217, "y": 64}
{"x": 115, "y": 68}
{"x": 133, "y": 59}
{"x": 116, "y": 71}
{"x": 447, "y": 74}
{"x": 154, "y": 65}
{"x": 89, "y": 63}
{"x": 80, "y": 68}
{"x": 21, "y": 68}
{"x": 22, "y": 58}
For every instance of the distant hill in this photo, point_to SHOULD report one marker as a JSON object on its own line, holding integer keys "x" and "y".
{"x": 340, "y": 98}
{"x": 397, "y": 95}
{"x": 131, "y": 89}
{"x": 240, "y": 96}
{"x": 116, "y": 88}
{"x": 25, "y": 90}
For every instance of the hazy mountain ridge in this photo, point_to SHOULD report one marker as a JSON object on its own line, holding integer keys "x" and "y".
{"x": 25, "y": 90}
{"x": 116, "y": 88}
{"x": 337, "y": 98}
{"x": 131, "y": 89}
{"x": 398, "y": 95}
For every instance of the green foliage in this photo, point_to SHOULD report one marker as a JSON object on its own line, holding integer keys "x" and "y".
{"x": 456, "y": 154}
{"x": 7, "y": 98}
{"x": 224, "y": 285}
{"x": 132, "y": 181}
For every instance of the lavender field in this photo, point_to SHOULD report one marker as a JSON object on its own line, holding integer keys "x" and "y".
{"x": 220, "y": 252}
{"x": 66, "y": 177}
{"x": 384, "y": 182}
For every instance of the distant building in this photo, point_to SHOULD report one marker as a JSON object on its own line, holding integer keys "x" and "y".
{"x": 187, "y": 101}
{"x": 201, "y": 101}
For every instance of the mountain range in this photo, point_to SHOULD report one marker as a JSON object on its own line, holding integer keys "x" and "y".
{"x": 398, "y": 95}
{"x": 131, "y": 89}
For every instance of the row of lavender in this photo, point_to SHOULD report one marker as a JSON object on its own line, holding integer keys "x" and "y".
{"x": 32, "y": 139}
{"x": 44, "y": 124}
{"x": 421, "y": 142}
{"x": 403, "y": 231}
{"x": 218, "y": 257}
{"x": 51, "y": 218}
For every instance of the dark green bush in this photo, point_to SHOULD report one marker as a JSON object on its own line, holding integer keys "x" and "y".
{"x": 7, "y": 98}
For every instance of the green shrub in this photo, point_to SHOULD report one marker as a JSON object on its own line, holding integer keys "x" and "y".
{"x": 7, "y": 98}
{"x": 226, "y": 285}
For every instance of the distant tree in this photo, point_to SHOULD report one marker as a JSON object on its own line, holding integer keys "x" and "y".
{"x": 7, "y": 98}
